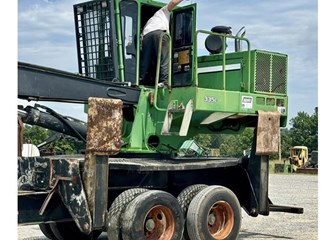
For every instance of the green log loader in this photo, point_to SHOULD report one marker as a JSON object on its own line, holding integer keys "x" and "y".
{"x": 131, "y": 182}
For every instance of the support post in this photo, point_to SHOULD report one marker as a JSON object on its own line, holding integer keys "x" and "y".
{"x": 265, "y": 143}
{"x": 104, "y": 132}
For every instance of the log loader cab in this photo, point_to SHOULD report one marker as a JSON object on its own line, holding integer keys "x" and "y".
{"x": 108, "y": 39}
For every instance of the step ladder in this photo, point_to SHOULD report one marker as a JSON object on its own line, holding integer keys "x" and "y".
{"x": 188, "y": 111}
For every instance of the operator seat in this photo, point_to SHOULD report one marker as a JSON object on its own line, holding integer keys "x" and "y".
{"x": 213, "y": 43}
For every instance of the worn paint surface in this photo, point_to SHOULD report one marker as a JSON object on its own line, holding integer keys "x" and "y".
{"x": 89, "y": 178}
{"x": 104, "y": 126}
{"x": 104, "y": 134}
{"x": 268, "y": 133}
{"x": 71, "y": 190}
{"x": 33, "y": 173}
{"x": 61, "y": 175}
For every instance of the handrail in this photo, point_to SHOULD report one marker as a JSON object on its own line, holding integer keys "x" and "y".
{"x": 224, "y": 39}
{"x": 159, "y": 65}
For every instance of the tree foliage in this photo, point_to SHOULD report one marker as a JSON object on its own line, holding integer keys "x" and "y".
{"x": 286, "y": 142}
{"x": 304, "y": 132}
{"x": 34, "y": 134}
{"x": 229, "y": 145}
{"x": 37, "y": 135}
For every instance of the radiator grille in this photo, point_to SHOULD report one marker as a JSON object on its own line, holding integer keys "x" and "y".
{"x": 94, "y": 42}
{"x": 271, "y": 73}
{"x": 279, "y": 73}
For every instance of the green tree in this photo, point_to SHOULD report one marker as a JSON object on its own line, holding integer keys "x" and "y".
{"x": 37, "y": 135}
{"x": 314, "y": 138}
{"x": 204, "y": 140}
{"x": 304, "y": 131}
{"x": 234, "y": 145}
{"x": 286, "y": 142}
{"x": 34, "y": 134}
{"x": 230, "y": 145}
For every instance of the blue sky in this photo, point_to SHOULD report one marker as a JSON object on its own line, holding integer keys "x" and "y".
{"x": 46, "y": 37}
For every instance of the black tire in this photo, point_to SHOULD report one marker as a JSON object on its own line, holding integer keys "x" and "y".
{"x": 46, "y": 230}
{"x": 70, "y": 231}
{"x": 184, "y": 199}
{"x": 153, "y": 215}
{"x": 214, "y": 213}
{"x": 116, "y": 210}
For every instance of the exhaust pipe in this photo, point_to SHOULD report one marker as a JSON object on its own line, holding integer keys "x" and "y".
{"x": 240, "y": 34}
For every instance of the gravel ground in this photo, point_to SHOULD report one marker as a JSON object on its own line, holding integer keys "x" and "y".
{"x": 285, "y": 189}
{"x": 289, "y": 190}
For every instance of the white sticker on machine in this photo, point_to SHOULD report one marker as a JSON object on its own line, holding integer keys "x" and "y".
{"x": 282, "y": 110}
{"x": 247, "y": 102}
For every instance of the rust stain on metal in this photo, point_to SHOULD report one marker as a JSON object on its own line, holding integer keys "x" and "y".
{"x": 89, "y": 177}
{"x": 66, "y": 180}
{"x": 268, "y": 133}
{"x": 96, "y": 186}
{"x": 104, "y": 134}
{"x": 104, "y": 126}
{"x": 151, "y": 99}
{"x": 62, "y": 169}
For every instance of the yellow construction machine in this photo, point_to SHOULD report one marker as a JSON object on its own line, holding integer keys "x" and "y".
{"x": 301, "y": 161}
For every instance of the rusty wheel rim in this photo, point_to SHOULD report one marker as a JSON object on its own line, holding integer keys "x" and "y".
{"x": 159, "y": 224}
{"x": 220, "y": 220}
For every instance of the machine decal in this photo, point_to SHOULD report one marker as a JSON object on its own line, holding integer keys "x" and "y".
{"x": 282, "y": 110}
{"x": 229, "y": 67}
{"x": 184, "y": 57}
{"x": 210, "y": 99}
{"x": 247, "y": 102}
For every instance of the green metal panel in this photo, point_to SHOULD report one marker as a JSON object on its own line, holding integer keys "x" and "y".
{"x": 216, "y": 100}
{"x": 191, "y": 148}
{"x": 210, "y": 71}
{"x": 149, "y": 120}
{"x": 269, "y": 72}
{"x": 238, "y": 102}
{"x": 140, "y": 128}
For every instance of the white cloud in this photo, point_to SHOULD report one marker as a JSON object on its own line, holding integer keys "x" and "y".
{"x": 286, "y": 26}
{"x": 46, "y": 34}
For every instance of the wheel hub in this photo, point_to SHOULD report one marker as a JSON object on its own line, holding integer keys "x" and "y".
{"x": 211, "y": 219}
{"x": 150, "y": 225}
{"x": 159, "y": 224}
{"x": 220, "y": 220}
